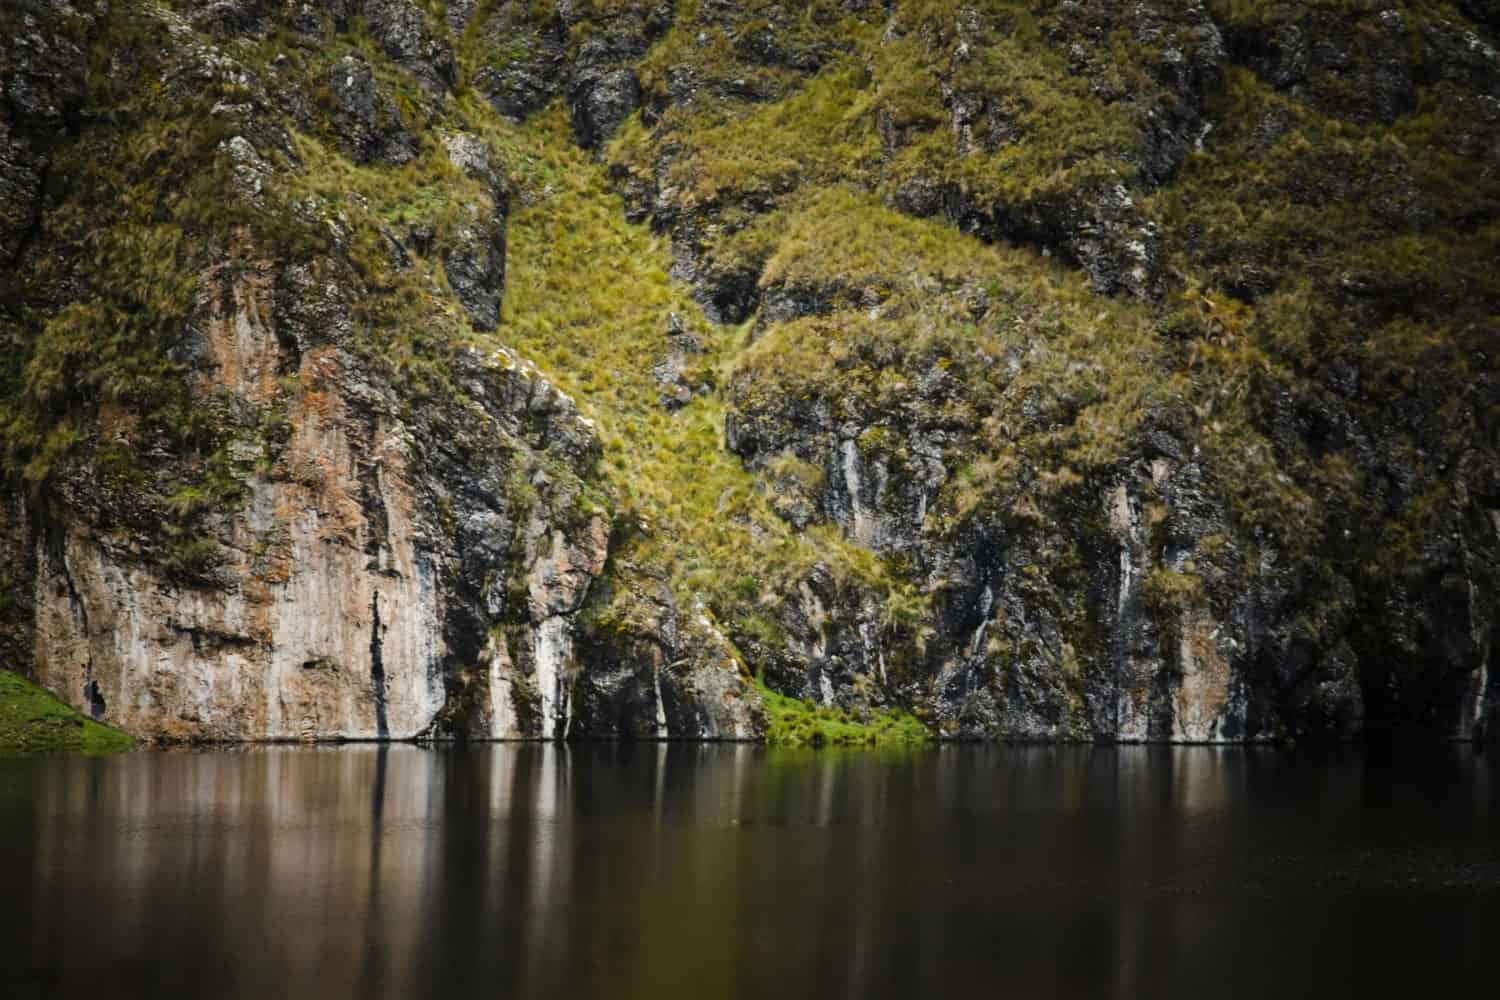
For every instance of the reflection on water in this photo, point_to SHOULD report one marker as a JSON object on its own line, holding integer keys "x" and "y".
{"x": 721, "y": 871}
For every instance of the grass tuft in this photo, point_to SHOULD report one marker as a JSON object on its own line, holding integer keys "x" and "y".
{"x": 796, "y": 723}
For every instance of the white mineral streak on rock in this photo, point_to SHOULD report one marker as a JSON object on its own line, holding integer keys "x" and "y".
{"x": 1482, "y": 686}
{"x": 863, "y": 527}
{"x": 1131, "y": 718}
{"x": 554, "y": 648}
{"x": 986, "y": 604}
{"x": 556, "y": 585}
{"x": 1472, "y": 719}
{"x": 1479, "y": 700}
{"x": 503, "y": 723}
{"x": 869, "y": 638}
{"x": 661, "y": 708}
{"x": 718, "y": 686}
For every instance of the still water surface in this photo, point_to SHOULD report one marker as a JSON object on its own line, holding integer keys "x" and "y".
{"x": 734, "y": 871}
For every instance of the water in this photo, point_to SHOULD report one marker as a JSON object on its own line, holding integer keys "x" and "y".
{"x": 722, "y": 871}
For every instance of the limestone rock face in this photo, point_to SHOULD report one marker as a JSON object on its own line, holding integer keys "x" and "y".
{"x": 371, "y": 554}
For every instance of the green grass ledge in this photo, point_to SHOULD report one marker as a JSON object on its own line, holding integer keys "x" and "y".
{"x": 32, "y": 721}
{"x": 792, "y": 722}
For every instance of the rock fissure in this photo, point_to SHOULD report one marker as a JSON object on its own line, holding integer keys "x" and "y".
{"x": 377, "y": 669}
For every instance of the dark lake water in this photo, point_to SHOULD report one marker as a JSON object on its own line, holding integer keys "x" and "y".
{"x": 728, "y": 871}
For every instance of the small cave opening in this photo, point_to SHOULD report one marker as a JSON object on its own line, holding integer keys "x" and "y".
{"x": 97, "y": 705}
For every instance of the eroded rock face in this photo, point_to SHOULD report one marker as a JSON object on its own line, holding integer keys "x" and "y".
{"x": 605, "y": 88}
{"x": 586, "y": 54}
{"x": 1365, "y": 74}
{"x": 534, "y": 65}
{"x": 1131, "y": 606}
{"x": 365, "y": 566}
{"x": 475, "y": 266}
{"x": 666, "y": 672}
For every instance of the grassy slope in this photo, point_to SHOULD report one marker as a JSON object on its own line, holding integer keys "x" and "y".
{"x": 33, "y": 721}
{"x": 588, "y": 294}
{"x": 588, "y": 299}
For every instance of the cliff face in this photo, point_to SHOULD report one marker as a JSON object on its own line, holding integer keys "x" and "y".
{"x": 1045, "y": 369}
{"x": 268, "y": 482}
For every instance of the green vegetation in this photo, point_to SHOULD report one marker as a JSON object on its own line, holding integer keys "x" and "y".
{"x": 1095, "y": 368}
{"x": 138, "y": 206}
{"x": 588, "y": 300}
{"x": 877, "y": 112}
{"x": 410, "y": 325}
{"x": 33, "y": 721}
{"x": 1330, "y": 246}
{"x": 795, "y": 723}
{"x": 1166, "y": 592}
{"x": 1046, "y": 130}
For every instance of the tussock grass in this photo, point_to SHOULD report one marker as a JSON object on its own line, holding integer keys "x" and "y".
{"x": 588, "y": 300}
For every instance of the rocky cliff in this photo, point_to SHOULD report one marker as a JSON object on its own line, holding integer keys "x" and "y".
{"x": 1047, "y": 369}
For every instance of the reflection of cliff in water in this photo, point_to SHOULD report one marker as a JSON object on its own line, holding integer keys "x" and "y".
{"x": 665, "y": 870}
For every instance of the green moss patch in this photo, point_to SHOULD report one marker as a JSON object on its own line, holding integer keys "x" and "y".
{"x": 796, "y": 723}
{"x": 33, "y": 721}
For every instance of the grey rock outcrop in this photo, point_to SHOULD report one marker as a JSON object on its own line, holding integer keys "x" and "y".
{"x": 529, "y": 66}
{"x": 366, "y": 120}
{"x": 475, "y": 266}
{"x": 587, "y": 55}
{"x": 475, "y": 259}
{"x": 403, "y": 31}
{"x": 42, "y": 84}
{"x": 1363, "y": 75}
